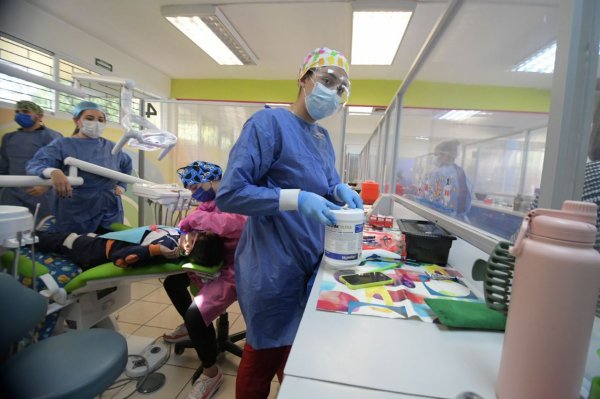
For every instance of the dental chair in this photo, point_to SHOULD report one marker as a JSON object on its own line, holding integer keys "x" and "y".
{"x": 79, "y": 364}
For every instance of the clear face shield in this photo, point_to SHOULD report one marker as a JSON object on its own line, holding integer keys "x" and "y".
{"x": 334, "y": 78}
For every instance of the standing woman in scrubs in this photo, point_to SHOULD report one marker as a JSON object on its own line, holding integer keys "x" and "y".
{"x": 281, "y": 172}
{"x": 96, "y": 204}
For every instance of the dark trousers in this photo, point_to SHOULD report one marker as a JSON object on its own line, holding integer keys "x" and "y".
{"x": 88, "y": 251}
{"x": 203, "y": 337}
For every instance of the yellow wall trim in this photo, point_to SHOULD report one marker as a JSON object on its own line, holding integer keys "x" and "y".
{"x": 371, "y": 92}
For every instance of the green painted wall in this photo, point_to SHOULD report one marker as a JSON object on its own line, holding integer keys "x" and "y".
{"x": 371, "y": 92}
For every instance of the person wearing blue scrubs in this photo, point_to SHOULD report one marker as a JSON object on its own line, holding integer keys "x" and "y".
{"x": 451, "y": 188}
{"x": 93, "y": 206}
{"x": 16, "y": 149}
{"x": 281, "y": 173}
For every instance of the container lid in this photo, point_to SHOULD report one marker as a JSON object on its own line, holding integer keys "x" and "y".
{"x": 349, "y": 214}
{"x": 575, "y": 222}
{"x": 423, "y": 228}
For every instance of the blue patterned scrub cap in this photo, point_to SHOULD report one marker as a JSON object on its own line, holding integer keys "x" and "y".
{"x": 199, "y": 172}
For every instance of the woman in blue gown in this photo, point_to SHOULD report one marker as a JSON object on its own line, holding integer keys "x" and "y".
{"x": 281, "y": 172}
{"x": 93, "y": 206}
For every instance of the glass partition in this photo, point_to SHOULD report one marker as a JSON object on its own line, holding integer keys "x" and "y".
{"x": 472, "y": 133}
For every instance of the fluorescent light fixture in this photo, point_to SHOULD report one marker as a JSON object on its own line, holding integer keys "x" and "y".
{"x": 457, "y": 115}
{"x": 422, "y": 138}
{"x": 542, "y": 61}
{"x": 208, "y": 28}
{"x": 277, "y": 104}
{"x": 358, "y": 110}
{"x": 377, "y": 30}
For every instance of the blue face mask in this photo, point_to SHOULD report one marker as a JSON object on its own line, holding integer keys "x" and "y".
{"x": 322, "y": 102}
{"x": 204, "y": 196}
{"x": 24, "y": 120}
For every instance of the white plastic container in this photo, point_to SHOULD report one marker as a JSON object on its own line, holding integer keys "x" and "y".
{"x": 343, "y": 242}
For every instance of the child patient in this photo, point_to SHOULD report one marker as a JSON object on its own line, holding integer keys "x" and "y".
{"x": 157, "y": 245}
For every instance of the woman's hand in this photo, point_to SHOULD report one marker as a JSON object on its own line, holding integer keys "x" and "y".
{"x": 119, "y": 190}
{"x": 61, "y": 184}
{"x": 37, "y": 191}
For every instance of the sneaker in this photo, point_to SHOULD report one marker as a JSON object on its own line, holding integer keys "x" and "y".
{"x": 177, "y": 335}
{"x": 46, "y": 223}
{"x": 205, "y": 387}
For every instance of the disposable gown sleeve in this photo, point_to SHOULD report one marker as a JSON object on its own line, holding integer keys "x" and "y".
{"x": 226, "y": 225}
{"x": 50, "y": 156}
{"x": 125, "y": 166}
{"x": 333, "y": 178}
{"x": 249, "y": 161}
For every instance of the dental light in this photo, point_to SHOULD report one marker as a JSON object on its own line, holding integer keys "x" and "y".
{"x": 150, "y": 137}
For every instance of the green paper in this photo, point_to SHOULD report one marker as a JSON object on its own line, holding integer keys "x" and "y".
{"x": 467, "y": 314}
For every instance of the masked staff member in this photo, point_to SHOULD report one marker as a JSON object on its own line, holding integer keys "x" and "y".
{"x": 96, "y": 204}
{"x": 17, "y": 148}
{"x": 281, "y": 172}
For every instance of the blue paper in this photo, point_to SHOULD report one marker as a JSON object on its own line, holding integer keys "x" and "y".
{"x": 133, "y": 236}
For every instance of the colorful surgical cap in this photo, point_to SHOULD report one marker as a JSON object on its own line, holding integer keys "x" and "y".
{"x": 30, "y": 106}
{"x": 324, "y": 57}
{"x": 82, "y": 106}
{"x": 199, "y": 172}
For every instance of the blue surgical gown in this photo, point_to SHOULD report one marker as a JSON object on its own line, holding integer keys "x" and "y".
{"x": 278, "y": 252}
{"x": 93, "y": 204}
{"x": 450, "y": 190}
{"x": 16, "y": 149}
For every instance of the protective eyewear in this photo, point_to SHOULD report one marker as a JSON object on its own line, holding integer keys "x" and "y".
{"x": 333, "y": 79}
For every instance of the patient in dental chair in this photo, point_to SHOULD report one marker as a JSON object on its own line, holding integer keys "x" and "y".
{"x": 157, "y": 245}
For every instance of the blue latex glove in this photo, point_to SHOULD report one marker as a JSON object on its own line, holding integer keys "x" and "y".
{"x": 349, "y": 196}
{"x": 316, "y": 207}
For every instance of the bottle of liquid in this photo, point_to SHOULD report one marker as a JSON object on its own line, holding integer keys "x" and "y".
{"x": 518, "y": 203}
{"x": 552, "y": 304}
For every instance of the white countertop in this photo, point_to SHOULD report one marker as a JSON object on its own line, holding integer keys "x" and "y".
{"x": 398, "y": 356}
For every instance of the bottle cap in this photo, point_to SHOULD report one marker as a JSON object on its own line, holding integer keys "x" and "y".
{"x": 575, "y": 222}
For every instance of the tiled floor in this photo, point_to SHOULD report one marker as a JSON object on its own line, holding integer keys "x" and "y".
{"x": 149, "y": 315}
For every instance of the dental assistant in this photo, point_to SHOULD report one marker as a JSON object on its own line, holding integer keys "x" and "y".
{"x": 93, "y": 206}
{"x": 281, "y": 172}
{"x": 17, "y": 148}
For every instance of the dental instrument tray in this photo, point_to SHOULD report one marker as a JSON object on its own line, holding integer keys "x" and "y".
{"x": 164, "y": 194}
{"x": 425, "y": 241}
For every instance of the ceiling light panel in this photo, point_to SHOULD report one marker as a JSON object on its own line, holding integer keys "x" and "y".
{"x": 457, "y": 115}
{"x": 376, "y": 36}
{"x": 210, "y": 30}
{"x": 542, "y": 61}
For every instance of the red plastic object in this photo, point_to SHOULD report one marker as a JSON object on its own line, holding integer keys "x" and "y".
{"x": 369, "y": 191}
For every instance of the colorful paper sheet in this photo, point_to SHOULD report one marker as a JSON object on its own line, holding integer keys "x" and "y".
{"x": 403, "y": 299}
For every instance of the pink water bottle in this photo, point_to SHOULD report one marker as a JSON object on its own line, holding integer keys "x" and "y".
{"x": 552, "y": 304}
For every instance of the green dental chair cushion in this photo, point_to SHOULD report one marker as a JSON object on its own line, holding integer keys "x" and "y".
{"x": 109, "y": 270}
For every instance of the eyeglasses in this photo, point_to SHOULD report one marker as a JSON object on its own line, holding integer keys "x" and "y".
{"x": 334, "y": 79}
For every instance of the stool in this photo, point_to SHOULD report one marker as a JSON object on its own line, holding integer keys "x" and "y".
{"x": 75, "y": 365}
{"x": 225, "y": 342}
